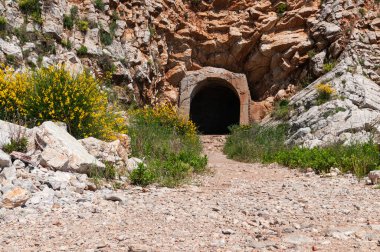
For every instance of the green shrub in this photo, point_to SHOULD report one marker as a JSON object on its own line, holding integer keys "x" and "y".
{"x": 255, "y": 143}
{"x": 82, "y": 50}
{"x": 311, "y": 53}
{"x": 105, "y": 37}
{"x": 106, "y": 64}
{"x": 169, "y": 145}
{"x": 266, "y": 144}
{"x": 68, "y": 22}
{"x": 152, "y": 31}
{"x": 281, "y": 110}
{"x": 109, "y": 172}
{"x": 74, "y": 12}
{"x": 142, "y": 175}
{"x": 362, "y": 12}
{"x": 99, "y": 4}
{"x": 11, "y": 59}
{"x": 67, "y": 44}
{"x": 16, "y": 144}
{"x": 282, "y": 8}
{"x": 356, "y": 158}
{"x": 21, "y": 34}
{"x": 82, "y": 25}
{"x": 3, "y": 23}
{"x": 31, "y": 8}
{"x": 328, "y": 66}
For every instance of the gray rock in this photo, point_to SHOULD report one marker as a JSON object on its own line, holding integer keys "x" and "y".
{"x": 62, "y": 151}
{"x": 44, "y": 198}
{"x": 115, "y": 152}
{"x": 9, "y": 173}
{"x": 15, "y": 197}
{"x": 374, "y": 176}
{"x": 317, "y": 63}
{"x": 11, "y": 49}
{"x": 5, "y": 159}
{"x": 18, "y": 164}
{"x": 59, "y": 180}
{"x": 297, "y": 239}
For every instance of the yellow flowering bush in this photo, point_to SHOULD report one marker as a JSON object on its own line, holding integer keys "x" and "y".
{"x": 325, "y": 92}
{"x": 166, "y": 114}
{"x": 54, "y": 94}
{"x": 13, "y": 88}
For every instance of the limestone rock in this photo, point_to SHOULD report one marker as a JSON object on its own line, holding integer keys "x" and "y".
{"x": 374, "y": 176}
{"x": 9, "y": 173}
{"x": 115, "y": 152}
{"x": 61, "y": 151}
{"x": 5, "y": 159}
{"x": 11, "y": 49}
{"x": 15, "y": 197}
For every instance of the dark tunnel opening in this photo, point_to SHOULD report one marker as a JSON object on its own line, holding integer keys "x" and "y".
{"x": 214, "y": 107}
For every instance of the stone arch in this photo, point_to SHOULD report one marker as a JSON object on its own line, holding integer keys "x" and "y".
{"x": 195, "y": 81}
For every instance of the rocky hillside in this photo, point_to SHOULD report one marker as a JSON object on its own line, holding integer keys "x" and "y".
{"x": 149, "y": 45}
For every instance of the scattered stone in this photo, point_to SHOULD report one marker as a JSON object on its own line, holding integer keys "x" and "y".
{"x": 374, "y": 176}
{"x": 15, "y": 197}
{"x": 9, "y": 173}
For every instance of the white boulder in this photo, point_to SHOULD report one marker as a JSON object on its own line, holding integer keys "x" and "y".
{"x": 61, "y": 151}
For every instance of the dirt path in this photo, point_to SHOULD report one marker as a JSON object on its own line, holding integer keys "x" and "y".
{"x": 239, "y": 207}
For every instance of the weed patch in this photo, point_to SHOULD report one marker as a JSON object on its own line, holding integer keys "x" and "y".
{"x": 266, "y": 144}
{"x": 169, "y": 145}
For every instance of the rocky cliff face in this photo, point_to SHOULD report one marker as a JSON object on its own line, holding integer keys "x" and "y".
{"x": 150, "y": 44}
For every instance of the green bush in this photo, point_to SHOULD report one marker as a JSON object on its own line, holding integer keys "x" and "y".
{"x": 281, "y": 110}
{"x": 362, "y": 12}
{"x": 83, "y": 25}
{"x": 169, "y": 145}
{"x": 31, "y": 8}
{"x": 11, "y": 59}
{"x": 282, "y": 8}
{"x": 105, "y": 37}
{"x": 99, "y": 4}
{"x": 68, "y": 22}
{"x": 255, "y": 143}
{"x": 266, "y": 144}
{"x": 67, "y": 44}
{"x": 16, "y": 144}
{"x": 3, "y": 23}
{"x": 74, "y": 12}
{"x": 357, "y": 158}
{"x": 106, "y": 64}
{"x": 109, "y": 172}
{"x": 142, "y": 175}
{"x": 328, "y": 66}
{"x": 82, "y": 50}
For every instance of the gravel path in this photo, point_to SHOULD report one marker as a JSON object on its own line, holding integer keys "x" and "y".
{"x": 237, "y": 207}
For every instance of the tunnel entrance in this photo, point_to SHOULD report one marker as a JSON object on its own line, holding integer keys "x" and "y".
{"x": 214, "y": 107}
{"x": 214, "y": 98}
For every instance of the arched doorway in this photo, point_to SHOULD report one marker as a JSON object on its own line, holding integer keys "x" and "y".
{"x": 214, "y": 98}
{"x": 214, "y": 107}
